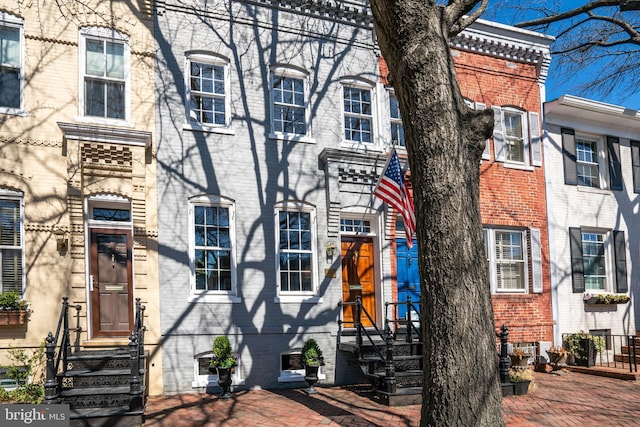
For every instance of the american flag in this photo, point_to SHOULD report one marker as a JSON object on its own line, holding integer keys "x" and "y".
{"x": 391, "y": 189}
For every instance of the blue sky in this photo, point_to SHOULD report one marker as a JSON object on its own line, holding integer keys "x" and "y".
{"x": 557, "y": 84}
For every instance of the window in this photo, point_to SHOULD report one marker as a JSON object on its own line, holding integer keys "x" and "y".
{"x": 587, "y": 163}
{"x": 11, "y": 73}
{"x": 105, "y": 72}
{"x": 358, "y": 114}
{"x": 11, "y": 242}
{"x": 516, "y": 137}
{"x": 598, "y": 260}
{"x": 213, "y": 245}
{"x": 296, "y": 248}
{"x": 397, "y": 130}
{"x": 506, "y": 258}
{"x": 355, "y": 226}
{"x": 591, "y": 160}
{"x": 289, "y": 112}
{"x": 202, "y": 377}
{"x": 207, "y": 90}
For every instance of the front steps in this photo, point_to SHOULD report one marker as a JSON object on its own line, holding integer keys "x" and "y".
{"x": 97, "y": 387}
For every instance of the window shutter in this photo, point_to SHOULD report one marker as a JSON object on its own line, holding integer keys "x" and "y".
{"x": 635, "y": 165}
{"x": 620, "y": 249}
{"x": 615, "y": 172}
{"x": 486, "y": 154}
{"x": 536, "y": 259}
{"x": 569, "y": 154}
{"x": 534, "y": 139}
{"x": 498, "y": 134}
{"x": 577, "y": 268}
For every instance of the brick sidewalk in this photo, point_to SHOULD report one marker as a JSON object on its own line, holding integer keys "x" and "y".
{"x": 569, "y": 400}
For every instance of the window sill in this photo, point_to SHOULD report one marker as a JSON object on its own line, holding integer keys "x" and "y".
{"x": 194, "y": 127}
{"x": 214, "y": 298}
{"x": 297, "y": 299}
{"x": 297, "y": 376}
{"x": 519, "y": 166}
{"x": 508, "y": 292}
{"x": 362, "y": 147}
{"x": 212, "y": 381}
{"x": 13, "y": 111}
{"x": 593, "y": 190}
{"x": 289, "y": 137}
{"x": 104, "y": 121}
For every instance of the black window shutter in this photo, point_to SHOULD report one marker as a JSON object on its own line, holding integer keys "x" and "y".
{"x": 620, "y": 249}
{"x": 615, "y": 172}
{"x": 569, "y": 154}
{"x": 635, "y": 163}
{"x": 577, "y": 267}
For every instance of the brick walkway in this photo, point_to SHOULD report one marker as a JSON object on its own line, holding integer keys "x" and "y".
{"x": 569, "y": 400}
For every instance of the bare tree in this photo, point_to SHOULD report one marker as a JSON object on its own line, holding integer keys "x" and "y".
{"x": 444, "y": 141}
{"x": 602, "y": 33}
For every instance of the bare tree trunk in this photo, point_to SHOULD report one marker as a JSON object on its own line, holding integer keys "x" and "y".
{"x": 444, "y": 141}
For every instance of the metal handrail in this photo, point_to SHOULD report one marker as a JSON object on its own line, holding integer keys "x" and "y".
{"x": 614, "y": 344}
{"x": 136, "y": 352}
{"x": 360, "y": 327}
{"x": 410, "y": 326}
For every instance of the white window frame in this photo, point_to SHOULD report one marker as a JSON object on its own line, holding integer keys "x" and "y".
{"x": 397, "y": 121}
{"x": 108, "y": 35}
{"x": 491, "y": 259}
{"x": 278, "y": 72}
{"x": 19, "y": 197}
{"x": 217, "y": 296}
{"x": 192, "y": 123}
{"x": 359, "y": 85}
{"x": 600, "y": 159}
{"x": 524, "y": 137}
{"x": 295, "y": 375}
{"x": 297, "y": 296}
{"x": 607, "y": 240}
{"x": 12, "y": 21}
{"x": 211, "y": 380}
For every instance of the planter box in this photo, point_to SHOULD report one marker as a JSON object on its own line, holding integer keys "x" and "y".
{"x": 521, "y": 387}
{"x": 13, "y": 317}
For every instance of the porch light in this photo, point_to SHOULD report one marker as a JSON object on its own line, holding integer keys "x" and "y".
{"x": 61, "y": 240}
{"x": 331, "y": 249}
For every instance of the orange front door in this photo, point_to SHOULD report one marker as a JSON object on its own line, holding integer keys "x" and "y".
{"x": 111, "y": 298}
{"x": 358, "y": 279}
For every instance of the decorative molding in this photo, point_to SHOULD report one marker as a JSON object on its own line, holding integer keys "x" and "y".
{"x": 15, "y": 173}
{"x": 30, "y": 141}
{"x": 82, "y": 132}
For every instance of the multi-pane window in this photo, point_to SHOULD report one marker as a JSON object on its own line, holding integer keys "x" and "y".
{"x": 349, "y": 225}
{"x": 213, "y": 247}
{"x": 296, "y": 250}
{"x": 514, "y": 136}
{"x": 207, "y": 92}
{"x": 358, "y": 114}
{"x": 105, "y": 77}
{"x": 505, "y": 252}
{"x": 11, "y": 243}
{"x": 587, "y": 163}
{"x": 289, "y": 105}
{"x": 10, "y": 61}
{"x": 593, "y": 260}
{"x": 397, "y": 130}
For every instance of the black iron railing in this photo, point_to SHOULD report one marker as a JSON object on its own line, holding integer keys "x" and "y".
{"x": 410, "y": 322}
{"x": 602, "y": 349}
{"x": 136, "y": 353}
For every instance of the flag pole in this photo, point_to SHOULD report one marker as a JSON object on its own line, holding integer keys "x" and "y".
{"x": 386, "y": 164}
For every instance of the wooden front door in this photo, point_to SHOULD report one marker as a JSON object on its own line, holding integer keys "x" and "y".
{"x": 111, "y": 297}
{"x": 358, "y": 278}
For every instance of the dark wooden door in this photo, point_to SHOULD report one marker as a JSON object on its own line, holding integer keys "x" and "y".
{"x": 358, "y": 278}
{"x": 111, "y": 298}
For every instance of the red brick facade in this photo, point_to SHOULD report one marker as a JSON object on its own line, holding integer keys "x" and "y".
{"x": 510, "y": 197}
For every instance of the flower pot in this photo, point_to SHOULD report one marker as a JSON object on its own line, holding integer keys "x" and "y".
{"x": 13, "y": 317}
{"x": 519, "y": 361}
{"x": 521, "y": 387}
{"x": 224, "y": 380}
{"x": 311, "y": 377}
{"x": 557, "y": 360}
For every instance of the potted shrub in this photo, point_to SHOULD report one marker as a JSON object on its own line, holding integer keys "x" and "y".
{"x": 557, "y": 357}
{"x": 13, "y": 309}
{"x": 519, "y": 357}
{"x": 312, "y": 359}
{"x": 222, "y": 363}
{"x": 584, "y": 347}
{"x": 522, "y": 379}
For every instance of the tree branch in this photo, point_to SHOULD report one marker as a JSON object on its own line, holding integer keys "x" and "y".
{"x": 568, "y": 14}
{"x": 459, "y": 15}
